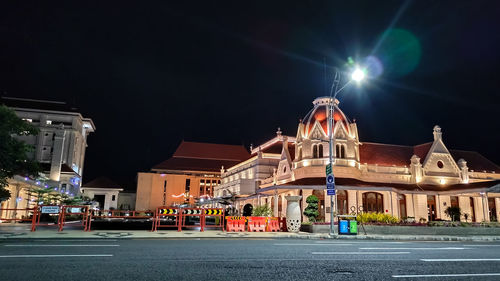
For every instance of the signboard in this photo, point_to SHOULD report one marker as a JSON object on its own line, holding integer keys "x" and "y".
{"x": 50, "y": 209}
{"x": 330, "y": 182}
{"x": 76, "y": 210}
{"x": 330, "y": 192}
{"x": 328, "y": 169}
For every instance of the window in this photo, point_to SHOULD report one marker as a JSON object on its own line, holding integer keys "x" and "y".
{"x": 165, "y": 186}
{"x": 300, "y": 153}
{"x": 402, "y": 206}
{"x": 113, "y": 197}
{"x": 48, "y": 122}
{"x": 28, "y": 120}
{"x": 315, "y": 151}
{"x": 320, "y": 146}
{"x": 454, "y": 201}
{"x": 340, "y": 150}
{"x": 440, "y": 164}
{"x": 202, "y": 187}
{"x": 373, "y": 202}
{"x": 342, "y": 202}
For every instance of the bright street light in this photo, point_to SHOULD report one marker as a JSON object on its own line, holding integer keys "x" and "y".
{"x": 358, "y": 75}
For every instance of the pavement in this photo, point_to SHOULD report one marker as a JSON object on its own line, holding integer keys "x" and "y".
{"x": 22, "y": 231}
{"x": 246, "y": 259}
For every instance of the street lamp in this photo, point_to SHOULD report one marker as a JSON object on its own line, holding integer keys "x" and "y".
{"x": 357, "y": 75}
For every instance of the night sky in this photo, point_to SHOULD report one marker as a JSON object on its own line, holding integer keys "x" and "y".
{"x": 151, "y": 75}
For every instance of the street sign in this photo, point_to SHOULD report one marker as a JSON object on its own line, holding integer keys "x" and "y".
{"x": 330, "y": 192}
{"x": 330, "y": 182}
{"x": 328, "y": 169}
{"x": 50, "y": 209}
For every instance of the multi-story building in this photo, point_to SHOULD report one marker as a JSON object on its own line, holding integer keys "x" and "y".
{"x": 59, "y": 147}
{"x": 188, "y": 177}
{"x": 417, "y": 182}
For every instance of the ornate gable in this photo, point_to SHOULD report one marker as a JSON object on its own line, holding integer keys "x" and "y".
{"x": 317, "y": 132}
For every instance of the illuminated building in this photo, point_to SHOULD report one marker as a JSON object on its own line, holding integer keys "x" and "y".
{"x": 417, "y": 182}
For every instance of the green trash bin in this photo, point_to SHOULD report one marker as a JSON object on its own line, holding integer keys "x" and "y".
{"x": 353, "y": 227}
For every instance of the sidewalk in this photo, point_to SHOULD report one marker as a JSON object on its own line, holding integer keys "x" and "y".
{"x": 23, "y": 232}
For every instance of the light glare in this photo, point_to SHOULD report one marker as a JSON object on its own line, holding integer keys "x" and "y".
{"x": 358, "y": 75}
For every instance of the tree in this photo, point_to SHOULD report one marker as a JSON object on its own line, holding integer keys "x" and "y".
{"x": 311, "y": 211}
{"x": 453, "y": 212}
{"x": 13, "y": 152}
{"x": 262, "y": 211}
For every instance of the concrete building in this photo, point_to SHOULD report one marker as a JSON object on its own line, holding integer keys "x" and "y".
{"x": 188, "y": 177}
{"x": 59, "y": 147}
{"x": 417, "y": 182}
{"x": 104, "y": 191}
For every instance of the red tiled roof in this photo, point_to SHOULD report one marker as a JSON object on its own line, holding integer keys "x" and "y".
{"x": 475, "y": 161}
{"x": 206, "y": 157}
{"x": 102, "y": 182}
{"x": 425, "y": 187}
{"x": 400, "y": 155}
{"x": 192, "y": 164}
{"x": 211, "y": 151}
{"x": 385, "y": 154}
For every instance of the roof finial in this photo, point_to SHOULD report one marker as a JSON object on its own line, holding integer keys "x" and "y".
{"x": 251, "y": 147}
{"x": 278, "y": 132}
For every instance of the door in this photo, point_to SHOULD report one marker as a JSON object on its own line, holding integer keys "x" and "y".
{"x": 100, "y": 199}
{"x": 402, "y": 206}
{"x": 431, "y": 207}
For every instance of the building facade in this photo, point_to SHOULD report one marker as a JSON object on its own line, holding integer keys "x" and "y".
{"x": 409, "y": 182}
{"x": 59, "y": 147}
{"x": 188, "y": 177}
{"x": 104, "y": 192}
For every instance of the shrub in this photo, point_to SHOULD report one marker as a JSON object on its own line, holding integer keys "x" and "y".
{"x": 377, "y": 218}
{"x": 311, "y": 211}
{"x": 262, "y": 211}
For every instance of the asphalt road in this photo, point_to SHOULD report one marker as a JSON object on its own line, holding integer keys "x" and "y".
{"x": 238, "y": 259}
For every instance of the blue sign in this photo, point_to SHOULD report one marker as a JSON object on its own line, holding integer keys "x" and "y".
{"x": 330, "y": 182}
{"x": 330, "y": 192}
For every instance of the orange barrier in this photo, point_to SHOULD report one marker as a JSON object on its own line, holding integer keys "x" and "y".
{"x": 273, "y": 224}
{"x": 45, "y": 209}
{"x": 256, "y": 224}
{"x": 119, "y": 214}
{"x": 166, "y": 212}
{"x": 74, "y": 210}
{"x": 212, "y": 212}
{"x": 16, "y": 219}
{"x": 192, "y": 212}
{"x": 235, "y": 224}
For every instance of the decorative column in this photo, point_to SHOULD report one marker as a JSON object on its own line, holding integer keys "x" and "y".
{"x": 293, "y": 213}
{"x": 275, "y": 198}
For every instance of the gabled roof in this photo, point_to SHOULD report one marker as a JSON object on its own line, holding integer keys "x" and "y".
{"x": 475, "y": 161}
{"x": 400, "y": 155}
{"x": 205, "y": 157}
{"x": 102, "y": 182}
{"x": 201, "y": 150}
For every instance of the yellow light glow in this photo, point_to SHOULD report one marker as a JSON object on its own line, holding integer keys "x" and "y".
{"x": 352, "y": 163}
{"x": 306, "y": 163}
{"x": 442, "y": 181}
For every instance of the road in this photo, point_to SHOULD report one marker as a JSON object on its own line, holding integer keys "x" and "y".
{"x": 239, "y": 259}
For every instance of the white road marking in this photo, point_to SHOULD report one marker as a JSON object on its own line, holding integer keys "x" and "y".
{"x": 53, "y": 256}
{"x": 360, "y": 253}
{"x": 481, "y": 245}
{"x": 460, "y": 259}
{"x": 310, "y": 244}
{"x": 76, "y": 240}
{"x": 367, "y": 242}
{"x": 61, "y": 245}
{"x": 446, "y": 275}
{"x": 446, "y": 248}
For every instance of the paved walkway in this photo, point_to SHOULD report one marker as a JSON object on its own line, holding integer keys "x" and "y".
{"x": 21, "y": 231}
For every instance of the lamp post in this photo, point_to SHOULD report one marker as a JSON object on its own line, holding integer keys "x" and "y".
{"x": 357, "y": 75}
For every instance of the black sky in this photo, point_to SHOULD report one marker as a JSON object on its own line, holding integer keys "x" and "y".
{"x": 152, "y": 74}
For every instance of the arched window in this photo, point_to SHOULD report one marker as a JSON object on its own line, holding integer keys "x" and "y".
{"x": 342, "y": 202}
{"x": 320, "y": 150}
{"x": 300, "y": 153}
{"x": 342, "y": 151}
{"x": 373, "y": 202}
{"x": 315, "y": 151}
